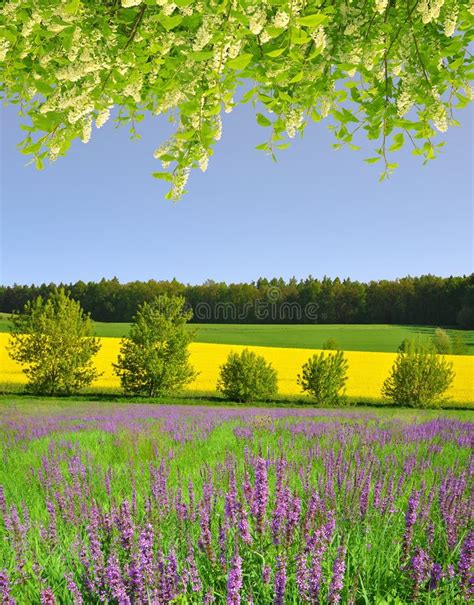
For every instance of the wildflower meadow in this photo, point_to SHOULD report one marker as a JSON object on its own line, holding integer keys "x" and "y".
{"x": 136, "y": 503}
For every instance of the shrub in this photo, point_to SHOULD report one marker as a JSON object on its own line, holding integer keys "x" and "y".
{"x": 331, "y": 344}
{"x": 154, "y": 359}
{"x": 324, "y": 376}
{"x": 52, "y": 339}
{"x": 405, "y": 344}
{"x": 418, "y": 377}
{"x": 441, "y": 342}
{"x": 247, "y": 377}
{"x": 459, "y": 346}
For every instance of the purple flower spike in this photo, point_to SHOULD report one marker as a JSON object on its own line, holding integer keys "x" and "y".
{"x": 420, "y": 570}
{"x": 74, "y": 590}
{"x": 436, "y": 575}
{"x": 337, "y": 581}
{"x": 234, "y": 581}
{"x": 260, "y": 496}
{"x": 6, "y": 598}
{"x": 410, "y": 520}
{"x": 266, "y": 574}
{"x": 466, "y": 565}
{"x": 280, "y": 582}
{"x": 47, "y": 597}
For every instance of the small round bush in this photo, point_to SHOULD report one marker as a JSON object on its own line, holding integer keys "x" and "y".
{"x": 331, "y": 344}
{"x": 324, "y": 376}
{"x": 442, "y": 342}
{"x": 247, "y": 377}
{"x": 419, "y": 378}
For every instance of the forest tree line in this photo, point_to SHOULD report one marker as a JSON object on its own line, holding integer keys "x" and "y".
{"x": 424, "y": 300}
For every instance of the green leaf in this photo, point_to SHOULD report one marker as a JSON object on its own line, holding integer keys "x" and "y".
{"x": 312, "y": 20}
{"x": 297, "y": 78}
{"x": 164, "y": 176}
{"x": 240, "y": 62}
{"x": 42, "y": 87}
{"x": 170, "y": 23}
{"x": 8, "y": 35}
{"x": 372, "y": 160}
{"x": 276, "y": 53}
{"x": 398, "y": 142}
{"x": 31, "y": 149}
{"x": 262, "y": 120}
{"x": 72, "y": 7}
{"x": 202, "y": 55}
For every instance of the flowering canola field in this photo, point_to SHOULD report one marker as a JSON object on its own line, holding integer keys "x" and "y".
{"x": 367, "y": 370}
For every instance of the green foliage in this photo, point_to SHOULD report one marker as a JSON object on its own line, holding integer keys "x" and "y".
{"x": 458, "y": 344}
{"x": 331, "y": 344}
{"x": 405, "y": 345}
{"x": 324, "y": 377}
{"x": 154, "y": 359}
{"x": 52, "y": 339}
{"x": 420, "y": 301}
{"x": 392, "y": 71}
{"x": 247, "y": 377}
{"x": 465, "y": 317}
{"x": 419, "y": 377}
{"x": 441, "y": 342}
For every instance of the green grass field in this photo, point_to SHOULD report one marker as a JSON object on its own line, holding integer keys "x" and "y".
{"x": 352, "y": 337}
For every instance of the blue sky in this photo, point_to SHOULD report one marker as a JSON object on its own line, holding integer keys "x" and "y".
{"x": 99, "y": 213}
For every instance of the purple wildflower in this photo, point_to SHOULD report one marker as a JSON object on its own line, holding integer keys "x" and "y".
{"x": 209, "y": 598}
{"x": 244, "y": 526}
{"x": 337, "y": 581}
{"x": 410, "y": 520}
{"x": 125, "y": 525}
{"x": 435, "y": 575}
{"x": 316, "y": 568}
{"x": 302, "y": 574}
{"x": 260, "y": 496}
{"x": 420, "y": 570}
{"x": 47, "y": 597}
{"x": 266, "y": 574}
{"x": 193, "y": 574}
{"x": 280, "y": 581}
{"x": 115, "y": 581}
{"x": 74, "y": 590}
{"x": 234, "y": 581}
{"x": 466, "y": 564}
{"x": 5, "y": 589}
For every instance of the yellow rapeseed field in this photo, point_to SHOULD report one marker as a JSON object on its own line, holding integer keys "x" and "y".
{"x": 367, "y": 371}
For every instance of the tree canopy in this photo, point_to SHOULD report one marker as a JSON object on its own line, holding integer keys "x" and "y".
{"x": 392, "y": 70}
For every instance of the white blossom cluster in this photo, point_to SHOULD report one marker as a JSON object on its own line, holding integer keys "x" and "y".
{"x": 440, "y": 117}
{"x": 319, "y": 37}
{"x": 4, "y": 46}
{"x": 281, "y": 19}
{"x": 429, "y": 9}
{"x": 258, "y": 19}
{"x": 294, "y": 120}
{"x": 83, "y": 60}
{"x": 450, "y": 19}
